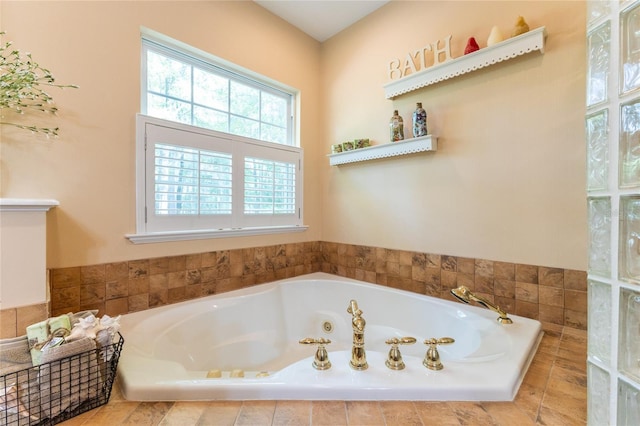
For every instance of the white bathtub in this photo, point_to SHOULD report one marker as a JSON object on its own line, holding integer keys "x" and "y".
{"x": 169, "y": 350}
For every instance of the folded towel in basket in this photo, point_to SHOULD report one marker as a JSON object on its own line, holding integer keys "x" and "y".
{"x": 69, "y": 376}
{"x": 14, "y": 354}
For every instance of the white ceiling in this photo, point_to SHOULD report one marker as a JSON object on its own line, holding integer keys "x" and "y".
{"x": 321, "y": 19}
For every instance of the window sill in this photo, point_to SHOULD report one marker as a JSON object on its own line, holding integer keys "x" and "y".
{"x": 203, "y": 234}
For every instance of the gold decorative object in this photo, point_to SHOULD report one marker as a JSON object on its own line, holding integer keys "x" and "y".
{"x": 520, "y": 28}
{"x": 358, "y": 355}
{"x": 321, "y": 360}
{"x": 432, "y": 357}
{"x": 465, "y": 295}
{"x": 394, "y": 360}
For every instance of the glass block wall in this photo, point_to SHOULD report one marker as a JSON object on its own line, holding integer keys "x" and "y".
{"x": 612, "y": 130}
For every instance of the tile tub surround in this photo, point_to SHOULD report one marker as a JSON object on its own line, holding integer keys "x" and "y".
{"x": 553, "y": 393}
{"x": 550, "y": 295}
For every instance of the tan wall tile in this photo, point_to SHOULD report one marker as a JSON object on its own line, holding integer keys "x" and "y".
{"x": 65, "y": 277}
{"x": 552, "y": 277}
{"x": 527, "y": 274}
{"x": 552, "y": 314}
{"x": 466, "y": 265}
{"x": 176, "y": 294}
{"x": 484, "y": 268}
{"x": 527, "y": 292}
{"x": 527, "y": 309}
{"x": 448, "y": 279}
{"x": 418, "y": 273}
{"x": 161, "y": 297}
{"x": 138, "y": 286}
{"x": 193, "y": 291}
{"x": 432, "y": 277}
{"x": 176, "y": 279}
{"x": 118, "y": 288}
{"x": 8, "y": 323}
{"x": 158, "y": 265}
{"x": 27, "y": 315}
{"x": 209, "y": 259}
{"x": 449, "y": 263}
{"x": 433, "y": 260}
{"x": 92, "y": 274}
{"x": 504, "y": 270}
{"x": 116, "y": 271}
{"x": 69, "y": 298}
{"x": 466, "y": 280}
{"x": 551, "y": 296}
{"x": 575, "y": 319}
{"x": 505, "y": 288}
{"x": 116, "y": 307}
{"x": 507, "y": 304}
{"x": 139, "y": 302}
{"x": 405, "y": 257}
{"x": 138, "y": 268}
{"x": 575, "y": 280}
{"x": 177, "y": 263}
{"x": 575, "y": 300}
{"x": 405, "y": 271}
{"x": 92, "y": 293}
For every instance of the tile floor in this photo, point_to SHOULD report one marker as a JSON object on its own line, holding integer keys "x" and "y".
{"x": 554, "y": 392}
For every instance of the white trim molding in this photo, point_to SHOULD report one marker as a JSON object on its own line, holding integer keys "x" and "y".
{"x": 27, "y": 204}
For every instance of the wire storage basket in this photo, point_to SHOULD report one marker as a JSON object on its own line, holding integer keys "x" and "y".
{"x": 55, "y": 391}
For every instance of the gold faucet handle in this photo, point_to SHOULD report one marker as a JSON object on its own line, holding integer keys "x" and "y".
{"x": 440, "y": 341}
{"x": 432, "y": 357}
{"x": 312, "y": 341}
{"x": 401, "y": 341}
{"x": 321, "y": 359}
{"x": 394, "y": 360}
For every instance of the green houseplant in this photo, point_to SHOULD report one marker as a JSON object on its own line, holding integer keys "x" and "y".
{"x": 22, "y": 87}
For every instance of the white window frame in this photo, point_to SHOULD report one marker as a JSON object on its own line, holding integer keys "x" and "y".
{"x": 150, "y": 228}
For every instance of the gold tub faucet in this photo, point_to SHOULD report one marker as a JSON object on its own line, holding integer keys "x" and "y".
{"x": 465, "y": 295}
{"x": 358, "y": 355}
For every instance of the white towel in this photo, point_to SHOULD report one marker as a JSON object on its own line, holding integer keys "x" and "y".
{"x": 67, "y": 383}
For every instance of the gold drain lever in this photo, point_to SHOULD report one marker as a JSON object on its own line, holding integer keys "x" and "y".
{"x": 432, "y": 357}
{"x": 394, "y": 361}
{"x": 321, "y": 360}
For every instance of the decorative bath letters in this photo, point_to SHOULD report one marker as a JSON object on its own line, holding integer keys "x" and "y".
{"x": 417, "y": 60}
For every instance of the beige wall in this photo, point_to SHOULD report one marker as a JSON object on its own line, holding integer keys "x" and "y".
{"x": 508, "y": 180}
{"x": 90, "y": 167}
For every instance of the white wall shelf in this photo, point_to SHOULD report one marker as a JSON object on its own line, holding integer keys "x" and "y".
{"x": 530, "y": 41}
{"x": 407, "y": 146}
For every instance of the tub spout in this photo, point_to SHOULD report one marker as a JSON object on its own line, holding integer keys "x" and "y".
{"x": 465, "y": 295}
{"x": 358, "y": 354}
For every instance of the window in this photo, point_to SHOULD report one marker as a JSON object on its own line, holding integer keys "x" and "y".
{"x": 215, "y": 150}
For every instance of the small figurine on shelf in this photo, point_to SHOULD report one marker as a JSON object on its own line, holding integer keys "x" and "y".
{"x": 495, "y": 36}
{"x": 396, "y": 126}
{"x": 419, "y": 121}
{"x": 472, "y": 46}
{"x": 520, "y": 28}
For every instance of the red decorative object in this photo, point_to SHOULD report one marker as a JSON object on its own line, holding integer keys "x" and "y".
{"x": 472, "y": 46}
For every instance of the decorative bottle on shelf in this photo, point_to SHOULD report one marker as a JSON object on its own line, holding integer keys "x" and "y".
{"x": 396, "y": 127}
{"x": 419, "y": 121}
